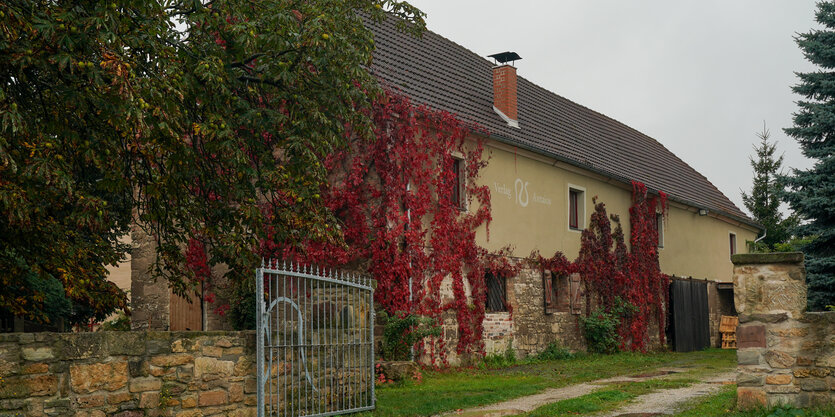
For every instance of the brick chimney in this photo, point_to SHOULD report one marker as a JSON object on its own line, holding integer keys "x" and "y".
{"x": 504, "y": 88}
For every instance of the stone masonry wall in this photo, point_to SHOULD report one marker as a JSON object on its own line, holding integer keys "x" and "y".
{"x": 785, "y": 355}
{"x": 533, "y": 330}
{"x": 127, "y": 374}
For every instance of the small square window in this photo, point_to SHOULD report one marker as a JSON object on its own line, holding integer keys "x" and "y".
{"x": 496, "y": 293}
{"x": 557, "y": 293}
{"x": 576, "y": 209}
{"x": 732, "y": 241}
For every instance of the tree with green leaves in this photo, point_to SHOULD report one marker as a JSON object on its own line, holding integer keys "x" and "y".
{"x": 811, "y": 192}
{"x": 763, "y": 202}
{"x": 195, "y": 120}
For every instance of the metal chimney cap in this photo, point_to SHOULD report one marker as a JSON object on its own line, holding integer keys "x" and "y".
{"x": 504, "y": 57}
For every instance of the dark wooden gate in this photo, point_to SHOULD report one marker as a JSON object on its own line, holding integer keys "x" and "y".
{"x": 690, "y": 321}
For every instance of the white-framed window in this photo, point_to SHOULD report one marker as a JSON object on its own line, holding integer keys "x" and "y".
{"x": 732, "y": 243}
{"x": 576, "y": 207}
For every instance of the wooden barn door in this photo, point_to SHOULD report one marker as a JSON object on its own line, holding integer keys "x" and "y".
{"x": 185, "y": 315}
{"x": 690, "y": 319}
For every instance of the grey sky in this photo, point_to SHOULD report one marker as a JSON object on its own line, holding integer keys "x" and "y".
{"x": 700, "y": 76}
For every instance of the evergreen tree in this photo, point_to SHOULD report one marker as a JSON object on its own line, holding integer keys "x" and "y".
{"x": 811, "y": 192}
{"x": 764, "y": 199}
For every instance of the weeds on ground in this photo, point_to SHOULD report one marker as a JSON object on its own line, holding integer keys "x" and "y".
{"x": 499, "y": 360}
{"x": 554, "y": 352}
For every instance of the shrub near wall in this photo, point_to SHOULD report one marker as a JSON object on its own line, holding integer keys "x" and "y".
{"x": 127, "y": 374}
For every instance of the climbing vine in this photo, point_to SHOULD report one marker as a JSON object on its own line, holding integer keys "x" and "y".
{"x": 614, "y": 274}
{"x": 394, "y": 197}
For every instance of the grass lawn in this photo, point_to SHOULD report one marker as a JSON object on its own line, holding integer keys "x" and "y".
{"x": 723, "y": 404}
{"x": 607, "y": 398}
{"x": 463, "y": 388}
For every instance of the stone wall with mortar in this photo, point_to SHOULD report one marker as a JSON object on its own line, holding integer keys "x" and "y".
{"x": 785, "y": 355}
{"x": 127, "y": 374}
{"x": 525, "y": 327}
{"x": 533, "y": 330}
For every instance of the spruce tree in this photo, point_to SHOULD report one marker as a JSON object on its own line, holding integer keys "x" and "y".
{"x": 811, "y": 192}
{"x": 764, "y": 199}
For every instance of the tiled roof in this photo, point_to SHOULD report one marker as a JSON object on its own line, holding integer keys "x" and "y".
{"x": 437, "y": 72}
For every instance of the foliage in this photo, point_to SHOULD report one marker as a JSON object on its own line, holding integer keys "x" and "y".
{"x": 554, "y": 352}
{"x": 600, "y": 328}
{"x": 402, "y": 331}
{"x": 787, "y": 411}
{"x": 200, "y": 120}
{"x": 795, "y": 244}
{"x": 613, "y": 275}
{"x": 120, "y": 323}
{"x": 499, "y": 360}
{"x": 763, "y": 202}
{"x": 811, "y": 192}
{"x": 392, "y": 196}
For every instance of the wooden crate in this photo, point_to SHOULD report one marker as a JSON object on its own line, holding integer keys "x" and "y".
{"x": 728, "y": 324}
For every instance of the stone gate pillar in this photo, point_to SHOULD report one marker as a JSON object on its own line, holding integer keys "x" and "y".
{"x": 785, "y": 355}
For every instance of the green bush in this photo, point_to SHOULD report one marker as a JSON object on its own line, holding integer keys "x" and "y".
{"x": 500, "y": 360}
{"x": 402, "y": 331}
{"x": 120, "y": 323}
{"x": 554, "y": 352}
{"x": 601, "y": 327}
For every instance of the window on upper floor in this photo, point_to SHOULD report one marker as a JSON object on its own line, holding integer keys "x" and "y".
{"x": 496, "y": 293}
{"x": 576, "y": 208}
{"x": 457, "y": 191}
{"x": 732, "y": 242}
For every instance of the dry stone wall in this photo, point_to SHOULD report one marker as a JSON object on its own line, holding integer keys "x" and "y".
{"x": 127, "y": 374}
{"x": 785, "y": 355}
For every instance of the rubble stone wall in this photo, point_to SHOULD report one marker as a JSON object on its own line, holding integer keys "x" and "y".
{"x": 127, "y": 374}
{"x": 785, "y": 355}
{"x": 533, "y": 330}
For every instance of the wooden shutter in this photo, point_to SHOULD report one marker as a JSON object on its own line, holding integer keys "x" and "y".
{"x": 576, "y": 294}
{"x": 547, "y": 284}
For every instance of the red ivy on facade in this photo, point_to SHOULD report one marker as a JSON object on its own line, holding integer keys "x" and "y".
{"x": 612, "y": 272}
{"x": 393, "y": 196}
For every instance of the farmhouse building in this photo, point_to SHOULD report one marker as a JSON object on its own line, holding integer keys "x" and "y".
{"x": 548, "y": 157}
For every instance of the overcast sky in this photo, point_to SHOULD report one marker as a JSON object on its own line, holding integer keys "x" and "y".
{"x": 700, "y": 77}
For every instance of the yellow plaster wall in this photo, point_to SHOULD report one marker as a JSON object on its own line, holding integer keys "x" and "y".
{"x": 529, "y": 196}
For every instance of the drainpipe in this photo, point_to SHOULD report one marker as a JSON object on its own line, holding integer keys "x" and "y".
{"x": 408, "y": 227}
{"x": 761, "y": 237}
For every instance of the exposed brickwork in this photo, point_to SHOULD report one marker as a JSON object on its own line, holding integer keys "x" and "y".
{"x": 504, "y": 90}
{"x": 127, "y": 374}
{"x": 786, "y": 355}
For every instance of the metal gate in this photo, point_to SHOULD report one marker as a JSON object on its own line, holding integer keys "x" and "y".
{"x": 315, "y": 341}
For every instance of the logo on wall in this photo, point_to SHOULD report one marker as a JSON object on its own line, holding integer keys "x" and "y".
{"x": 520, "y": 189}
